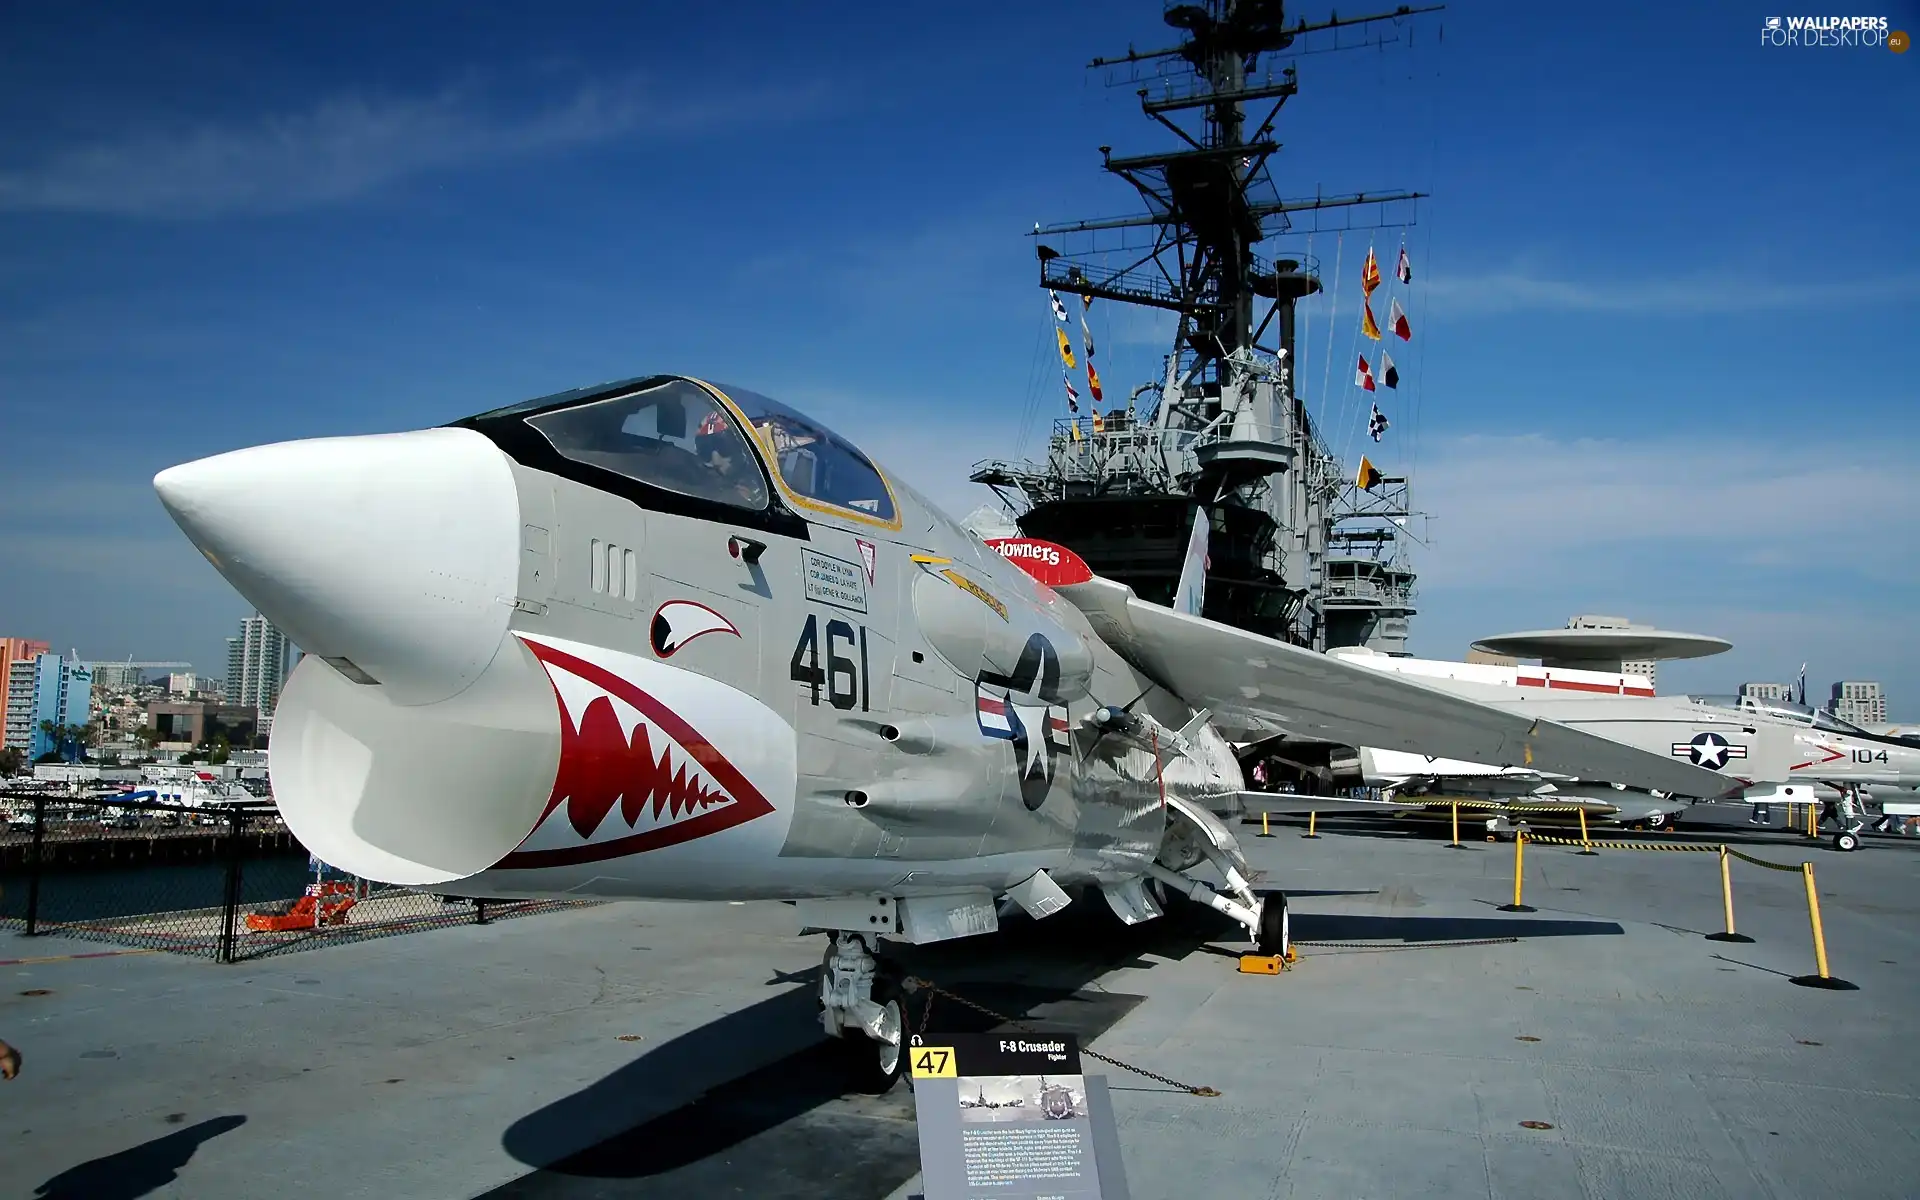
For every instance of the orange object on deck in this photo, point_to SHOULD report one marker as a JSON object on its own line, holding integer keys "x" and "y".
{"x": 324, "y": 904}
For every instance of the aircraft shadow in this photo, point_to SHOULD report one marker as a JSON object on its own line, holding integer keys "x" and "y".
{"x": 1362, "y": 927}
{"x": 138, "y": 1170}
{"x": 794, "y": 1127}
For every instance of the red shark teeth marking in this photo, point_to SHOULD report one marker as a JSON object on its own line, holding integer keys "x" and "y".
{"x": 601, "y": 765}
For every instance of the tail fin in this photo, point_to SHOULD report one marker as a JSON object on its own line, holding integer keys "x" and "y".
{"x": 1191, "y": 592}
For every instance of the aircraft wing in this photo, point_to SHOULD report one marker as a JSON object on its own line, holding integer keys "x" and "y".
{"x": 1291, "y": 804}
{"x": 1257, "y": 687}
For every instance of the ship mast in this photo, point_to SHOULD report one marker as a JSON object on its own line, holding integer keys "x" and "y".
{"x": 1228, "y": 432}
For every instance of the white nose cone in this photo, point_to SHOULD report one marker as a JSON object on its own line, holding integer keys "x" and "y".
{"x": 395, "y": 557}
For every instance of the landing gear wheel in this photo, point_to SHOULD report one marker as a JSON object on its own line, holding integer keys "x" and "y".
{"x": 879, "y": 1064}
{"x": 1272, "y": 938}
{"x": 1845, "y": 841}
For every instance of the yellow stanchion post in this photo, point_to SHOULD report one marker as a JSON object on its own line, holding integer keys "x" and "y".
{"x": 1519, "y": 875}
{"x": 1455, "y": 844}
{"x": 1823, "y": 979}
{"x": 1264, "y": 831}
{"x": 1586, "y": 843}
{"x": 1726, "y": 902}
{"x": 1312, "y": 819}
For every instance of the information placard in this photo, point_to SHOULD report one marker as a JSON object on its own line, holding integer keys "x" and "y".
{"x": 1011, "y": 1117}
{"x": 833, "y": 580}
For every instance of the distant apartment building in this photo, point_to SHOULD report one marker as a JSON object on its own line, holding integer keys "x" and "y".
{"x": 45, "y": 688}
{"x": 197, "y": 721}
{"x": 19, "y": 722}
{"x": 116, "y": 677}
{"x": 1494, "y": 660}
{"x": 1766, "y": 691}
{"x": 257, "y": 664}
{"x": 1859, "y": 701}
{"x": 13, "y": 650}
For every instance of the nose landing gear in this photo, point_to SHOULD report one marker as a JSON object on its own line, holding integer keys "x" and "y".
{"x": 862, "y": 1001}
{"x": 1850, "y": 812}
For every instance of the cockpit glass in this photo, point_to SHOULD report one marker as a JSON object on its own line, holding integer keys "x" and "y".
{"x": 814, "y": 461}
{"x": 671, "y": 434}
{"x": 1786, "y": 710}
{"x": 1822, "y": 719}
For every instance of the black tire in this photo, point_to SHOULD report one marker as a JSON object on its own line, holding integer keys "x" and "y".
{"x": 1272, "y": 938}
{"x": 877, "y": 1066}
{"x": 1846, "y": 842}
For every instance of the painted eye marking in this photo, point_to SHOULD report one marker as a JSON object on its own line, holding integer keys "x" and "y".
{"x": 678, "y": 622}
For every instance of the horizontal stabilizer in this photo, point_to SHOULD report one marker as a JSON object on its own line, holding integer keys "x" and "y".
{"x": 1257, "y": 687}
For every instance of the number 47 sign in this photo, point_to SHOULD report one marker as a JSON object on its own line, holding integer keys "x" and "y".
{"x": 932, "y": 1062}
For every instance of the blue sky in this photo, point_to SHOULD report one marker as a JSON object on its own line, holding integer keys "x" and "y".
{"x": 1664, "y": 301}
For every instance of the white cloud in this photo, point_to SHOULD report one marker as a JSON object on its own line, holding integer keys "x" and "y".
{"x": 1508, "y": 509}
{"x": 1794, "y": 551}
{"x": 345, "y": 147}
{"x": 1521, "y": 290}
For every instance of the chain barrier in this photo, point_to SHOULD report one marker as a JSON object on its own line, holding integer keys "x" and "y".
{"x": 1609, "y": 845}
{"x": 1490, "y": 806}
{"x": 1683, "y": 848}
{"x": 933, "y": 989}
{"x": 1761, "y": 862}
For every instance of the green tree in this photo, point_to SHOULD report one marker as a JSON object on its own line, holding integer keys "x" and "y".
{"x": 12, "y": 758}
{"x": 221, "y": 750}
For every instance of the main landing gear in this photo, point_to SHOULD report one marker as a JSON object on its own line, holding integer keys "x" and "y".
{"x": 863, "y": 1002}
{"x": 1195, "y": 835}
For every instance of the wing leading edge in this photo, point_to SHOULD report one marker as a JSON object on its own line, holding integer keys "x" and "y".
{"x": 1257, "y": 687}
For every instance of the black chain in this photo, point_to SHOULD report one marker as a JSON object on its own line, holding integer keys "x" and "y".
{"x": 933, "y": 989}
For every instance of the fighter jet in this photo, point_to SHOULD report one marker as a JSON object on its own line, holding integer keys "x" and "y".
{"x": 982, "y": 1102}
{"x": 672, "y": 639}
{"x": 1760, "y": 744}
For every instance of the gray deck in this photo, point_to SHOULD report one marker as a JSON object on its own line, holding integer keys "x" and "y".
{"x": 490, "y": 1060}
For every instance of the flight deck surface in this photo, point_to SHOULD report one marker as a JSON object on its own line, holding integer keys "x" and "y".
{"x": 652, "y": 1049}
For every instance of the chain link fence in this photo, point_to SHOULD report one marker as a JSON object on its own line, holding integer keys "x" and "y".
{"x": 226, "y": 882}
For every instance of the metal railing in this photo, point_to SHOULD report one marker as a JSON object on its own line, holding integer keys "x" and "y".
{"x": 226, "y": 882}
